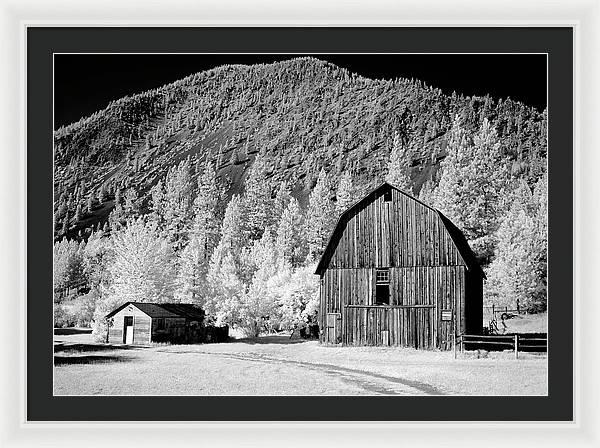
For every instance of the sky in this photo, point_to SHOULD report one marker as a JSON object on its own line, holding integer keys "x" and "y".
{"x": 85, "y": 83}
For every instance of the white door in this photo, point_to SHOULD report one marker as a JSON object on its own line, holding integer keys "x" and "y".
{"x": 128, "y": 330}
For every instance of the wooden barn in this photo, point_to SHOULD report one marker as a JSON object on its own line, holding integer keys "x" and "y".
{"x": 397, "y": 272}
{"x": 142, "y": 323}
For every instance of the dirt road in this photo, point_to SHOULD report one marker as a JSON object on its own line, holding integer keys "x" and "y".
{"x": 278, "y": 366}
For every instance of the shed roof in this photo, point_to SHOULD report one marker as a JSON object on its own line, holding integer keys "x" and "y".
{"x": 455, "y": 233}
{"x": 186, "y": 310}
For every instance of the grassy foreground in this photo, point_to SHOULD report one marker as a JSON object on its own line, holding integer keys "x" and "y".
{"x": 276, "y": 365}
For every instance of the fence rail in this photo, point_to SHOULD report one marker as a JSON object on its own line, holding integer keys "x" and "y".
{"x": 529, "y": 342}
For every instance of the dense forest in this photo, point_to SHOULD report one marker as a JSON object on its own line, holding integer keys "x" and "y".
{"x": 222, "y": 188}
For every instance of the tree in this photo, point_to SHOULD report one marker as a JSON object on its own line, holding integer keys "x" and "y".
{"x": 208, "y": 213}
{"x": 226, "y": 291}
{"x": 258, "y": 303}
{"x": 90, "y": 204}
{"x": 78, "y": 213}
{"x": 282, "y": 199}
{"x": 172, "y": 203}
{"x": 472, "y": 186}
{"x": 290, "y": 242}
{"x": 398, "y": 169}
{"x": 319, "y": 217}
{"x": 67, "y": 264}
{"x": 519, "y": 270}
{"x": 131, "y": 206}
{"x": 257, "y": 200}
{"x": 102, "y": 194}
{"x": 298, "y": 298}
{"x": 191, "y": 276}
{"x": 346, "y": 193}
{"x": 141, "y": 270}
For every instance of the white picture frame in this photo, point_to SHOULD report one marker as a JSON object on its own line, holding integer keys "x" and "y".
{"x": 16, "y": 16}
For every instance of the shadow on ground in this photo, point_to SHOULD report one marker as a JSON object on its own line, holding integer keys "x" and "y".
{"x": 88, "y": 359}
{"x": 82, "y": 348}
{"x": 67, "y": 331}
{"x": 273, "y": 339}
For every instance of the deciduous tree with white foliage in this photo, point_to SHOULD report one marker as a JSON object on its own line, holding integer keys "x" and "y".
{"x": 141, "y": 270}
{"x": 519, "y": 270}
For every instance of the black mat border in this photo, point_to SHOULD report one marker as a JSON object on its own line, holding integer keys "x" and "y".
{"x": 42, "y": 42}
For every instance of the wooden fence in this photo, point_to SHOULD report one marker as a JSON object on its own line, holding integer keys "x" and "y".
{"x": 526, "y": 342}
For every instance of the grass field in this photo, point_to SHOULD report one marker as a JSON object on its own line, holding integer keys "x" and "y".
{"x": 276, "y": 365}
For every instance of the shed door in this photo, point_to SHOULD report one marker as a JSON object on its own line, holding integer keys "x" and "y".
{"x": 128, "y": 330}
{"x": 334, "y": 328}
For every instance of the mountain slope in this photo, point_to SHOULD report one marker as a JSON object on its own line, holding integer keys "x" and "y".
{"x": 305, "y": 114}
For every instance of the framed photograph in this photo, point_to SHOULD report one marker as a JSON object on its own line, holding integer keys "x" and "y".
{"x": 293, "y": 224}
{"x": 333, "y": 223}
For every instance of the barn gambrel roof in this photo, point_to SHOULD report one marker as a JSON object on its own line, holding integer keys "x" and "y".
{"x": 155, "y": 310}
{"x": 459, "y": 240}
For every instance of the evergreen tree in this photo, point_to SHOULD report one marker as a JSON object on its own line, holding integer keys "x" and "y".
{"x": 282, "y": 199}
{"x": 78, "y": 213}
{"x": 471, "y": 191}
{"x": 118, "y": 200}
{"x": 65, "y": 226}
{"x": 208, "y": 212}
{"x": 346, "y": 194}
{"x": 172, "y": 203}
{"x": 290, "y": 242}
{"x": 319, "y": 217}
{"x": 102, "y": 194}
{"x": 195, "y": 257}
{"x": 257, "y": 200}
{"x": 232, "y": 239}
{"x": 398, "y": 170}
{"x": 131, "y": 207}
{"x": 90, "y": 204}
{"x": 190, "y": 283}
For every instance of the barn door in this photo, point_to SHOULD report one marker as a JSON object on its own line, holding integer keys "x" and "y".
{"x": 334, "y": 328}
{"x": 128, "y": 330}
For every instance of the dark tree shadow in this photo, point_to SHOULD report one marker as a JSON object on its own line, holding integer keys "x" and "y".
{"x": 88, "y": 359}
{"x": 82, "y": 348}
{"x": 67, "y": 331}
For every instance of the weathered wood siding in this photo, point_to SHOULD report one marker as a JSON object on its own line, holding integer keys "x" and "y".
{"x": 141, "y": 326}
{"x": 174, "y": 330}
{"x": 427, "y": 276}
{"x": 437, "y": 287}
{"x": 402, "y": 232}
{"x": 410, "y": 326}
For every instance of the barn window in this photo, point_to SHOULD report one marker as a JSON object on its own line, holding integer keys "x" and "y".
{"x": 382, "y": 287}
{"x": 387, "y": 196}
{"x": 160, "y": 323}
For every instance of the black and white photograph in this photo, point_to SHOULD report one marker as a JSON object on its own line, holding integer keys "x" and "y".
{"x": 319, "y": 224}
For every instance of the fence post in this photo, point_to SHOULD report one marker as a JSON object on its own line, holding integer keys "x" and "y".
{"x": 493, "y": 311}
{"x": 516, "y": 346}
{"x": 454, "y": 348}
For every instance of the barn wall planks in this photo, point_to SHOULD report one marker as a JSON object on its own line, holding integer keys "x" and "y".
{"x": 427, "y": 275}
{"x": 402, "y": 232}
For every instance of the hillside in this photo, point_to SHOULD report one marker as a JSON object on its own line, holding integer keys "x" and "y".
{"x": 304, "y": 114}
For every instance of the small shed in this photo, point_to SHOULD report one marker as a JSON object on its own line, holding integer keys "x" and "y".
{"x": 142, "y": 323}
{"x": 397, "y": 272}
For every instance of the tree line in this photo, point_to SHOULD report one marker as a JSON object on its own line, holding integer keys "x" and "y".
{"x": 249, "y": 259}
